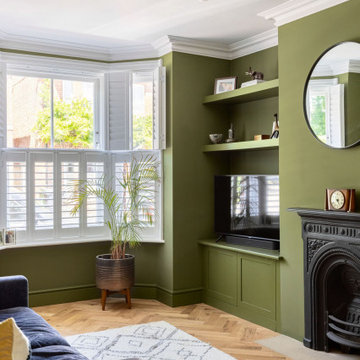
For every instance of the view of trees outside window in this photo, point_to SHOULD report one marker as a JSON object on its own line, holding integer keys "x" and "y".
{"x": 142, "y": 111}
{"x": 30, "y": 123}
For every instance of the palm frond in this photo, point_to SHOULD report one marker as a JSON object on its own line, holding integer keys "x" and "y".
{"x": 137, "y": 183}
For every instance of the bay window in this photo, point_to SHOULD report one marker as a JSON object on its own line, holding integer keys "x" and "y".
{"x": 63, "y": 127}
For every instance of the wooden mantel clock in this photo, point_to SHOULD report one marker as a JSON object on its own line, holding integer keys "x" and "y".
{"x": 340, "y": 200}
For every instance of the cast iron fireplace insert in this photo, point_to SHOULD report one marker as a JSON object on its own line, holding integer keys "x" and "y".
{"x": 331, "y": 279}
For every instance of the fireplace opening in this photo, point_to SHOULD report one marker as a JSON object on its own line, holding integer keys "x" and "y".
{"x": 343, "y": 308}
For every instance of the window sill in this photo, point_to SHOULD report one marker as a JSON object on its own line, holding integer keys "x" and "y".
{"x": 68, "y": 242}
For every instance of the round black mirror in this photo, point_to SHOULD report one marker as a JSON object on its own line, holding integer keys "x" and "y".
{"x": 332, "y": 96}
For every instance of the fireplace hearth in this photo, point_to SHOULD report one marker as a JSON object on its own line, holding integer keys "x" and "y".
{"x": 331, "y": 279}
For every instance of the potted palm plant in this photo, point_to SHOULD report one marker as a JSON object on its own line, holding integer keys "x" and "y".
{"x": 130, "y": 208}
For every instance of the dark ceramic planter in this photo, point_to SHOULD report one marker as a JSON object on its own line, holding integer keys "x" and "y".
{"x": 115, "y": 274}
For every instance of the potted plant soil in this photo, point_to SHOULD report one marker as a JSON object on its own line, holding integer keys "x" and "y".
{"x": 130, "y": 208}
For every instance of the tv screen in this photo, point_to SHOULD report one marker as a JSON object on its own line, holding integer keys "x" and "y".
{"x": 247, "y": 207}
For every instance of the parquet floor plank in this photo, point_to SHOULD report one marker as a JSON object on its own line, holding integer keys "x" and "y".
{"x": 226, "y": 332}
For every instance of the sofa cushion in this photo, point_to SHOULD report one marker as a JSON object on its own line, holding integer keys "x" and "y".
{"x": 35, "y": 328}
{"x": 13, "y": 343}
{"x": 57, "y": 352}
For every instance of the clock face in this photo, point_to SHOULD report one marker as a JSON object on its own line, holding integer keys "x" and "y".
{"x": 337, "y": 199}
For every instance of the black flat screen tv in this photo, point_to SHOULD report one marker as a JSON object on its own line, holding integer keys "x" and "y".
{"x": 247, "y": 210}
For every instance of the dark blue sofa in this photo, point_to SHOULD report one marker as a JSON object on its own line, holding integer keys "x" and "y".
{"x": 46, "y": 342}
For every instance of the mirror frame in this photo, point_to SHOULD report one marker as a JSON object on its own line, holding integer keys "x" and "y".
{"x": 304, "y": 98}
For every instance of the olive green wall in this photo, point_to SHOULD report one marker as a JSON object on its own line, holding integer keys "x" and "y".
{"x": 193, "y": 171}
{"x": 306, "y": 166}
{"x": 62, "y": 273}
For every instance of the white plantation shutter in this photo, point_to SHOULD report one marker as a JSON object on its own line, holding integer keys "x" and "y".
{"x": 159, "y": 110}
{"x": 335, "y": 127}
{"x": 70, "y": 173}
{"x": 42, "y": 194}
{"x": 3, "y": 105}
{"x": 94, "y": 206}
{"x": 119, "y": 103}
{"x": 16, "y": 193}
{"x": 68, "y": 165}
{"x": 272, "y": 196}
{"x": 94, "y": 213}
{"x": 121, "y": 163}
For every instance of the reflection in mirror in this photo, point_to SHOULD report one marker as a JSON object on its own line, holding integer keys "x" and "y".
{"x": 332, "y": 96}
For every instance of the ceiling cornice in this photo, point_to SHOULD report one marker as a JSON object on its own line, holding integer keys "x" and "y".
{"x": 255, "y": 43}
{"x": 190, "y": 46}
{"x": 337, "y": 68}
{"x": 158, "y": 48}
{"x": 296, "y": 9}
{"x": 232, "y": 51}
{"x": 54, "y": 47}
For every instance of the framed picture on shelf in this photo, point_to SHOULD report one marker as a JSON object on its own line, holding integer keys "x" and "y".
{"x": 10, "y": 237}
{"x": 225, "y": 84}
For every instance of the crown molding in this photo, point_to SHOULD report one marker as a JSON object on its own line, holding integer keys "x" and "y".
{"x": 354, "y": 66}
{"x": 54, "y": 47}
{"x": 170, "y": 43}
{"x": 232, "y": 51}
{"x": 337, "y": 68}
{"x": 255, "y": 43}
{"x": 296, "y": 9}
{"x": 158, "y": 48}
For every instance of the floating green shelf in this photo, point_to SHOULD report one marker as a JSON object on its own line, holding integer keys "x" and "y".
{"x": 243, "y": 145}
{"x": 260, "y": 91}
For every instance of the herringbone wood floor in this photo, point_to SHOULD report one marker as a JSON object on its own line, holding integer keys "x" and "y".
{"x": 226, "y": 332}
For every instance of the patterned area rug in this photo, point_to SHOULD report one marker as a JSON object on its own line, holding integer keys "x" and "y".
{"x": 152, "y": 341}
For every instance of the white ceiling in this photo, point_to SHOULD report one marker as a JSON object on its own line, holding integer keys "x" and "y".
{"x": 117, "y": 23}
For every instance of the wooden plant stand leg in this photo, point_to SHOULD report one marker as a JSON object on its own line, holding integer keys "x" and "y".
{"x": 104, "y": 294}
{"x": 127, "y": 294}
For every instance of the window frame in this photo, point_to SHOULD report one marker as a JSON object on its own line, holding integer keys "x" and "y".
{"x": 99, "y": 142}
{"x": 38, "y": 66}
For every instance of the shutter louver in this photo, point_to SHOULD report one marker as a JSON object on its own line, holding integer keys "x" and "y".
{"x": 336, "y": 132}
{"x": 121, "y": 170}
{"x": 159, "y": 108}
{"x": 153, "y": 200}
{"x": 44, "y": 195}
{"x": 70, "y": 173}
{"x": 3, "y": 92}
{"x": 95, "y": 207}
{"x": 119, "y": 101}
{"x": 16, "y": 195}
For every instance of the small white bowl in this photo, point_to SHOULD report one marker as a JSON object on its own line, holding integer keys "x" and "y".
{"x": 216, "y": 138}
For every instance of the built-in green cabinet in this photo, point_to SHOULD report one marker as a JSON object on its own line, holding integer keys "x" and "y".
{"x": 218, "y": 286}
{"x": 242, "y": 281}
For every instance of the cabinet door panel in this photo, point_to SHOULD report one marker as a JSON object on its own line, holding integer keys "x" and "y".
{"x": 222, "y": 275}
{"x": 258, "y": 286}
